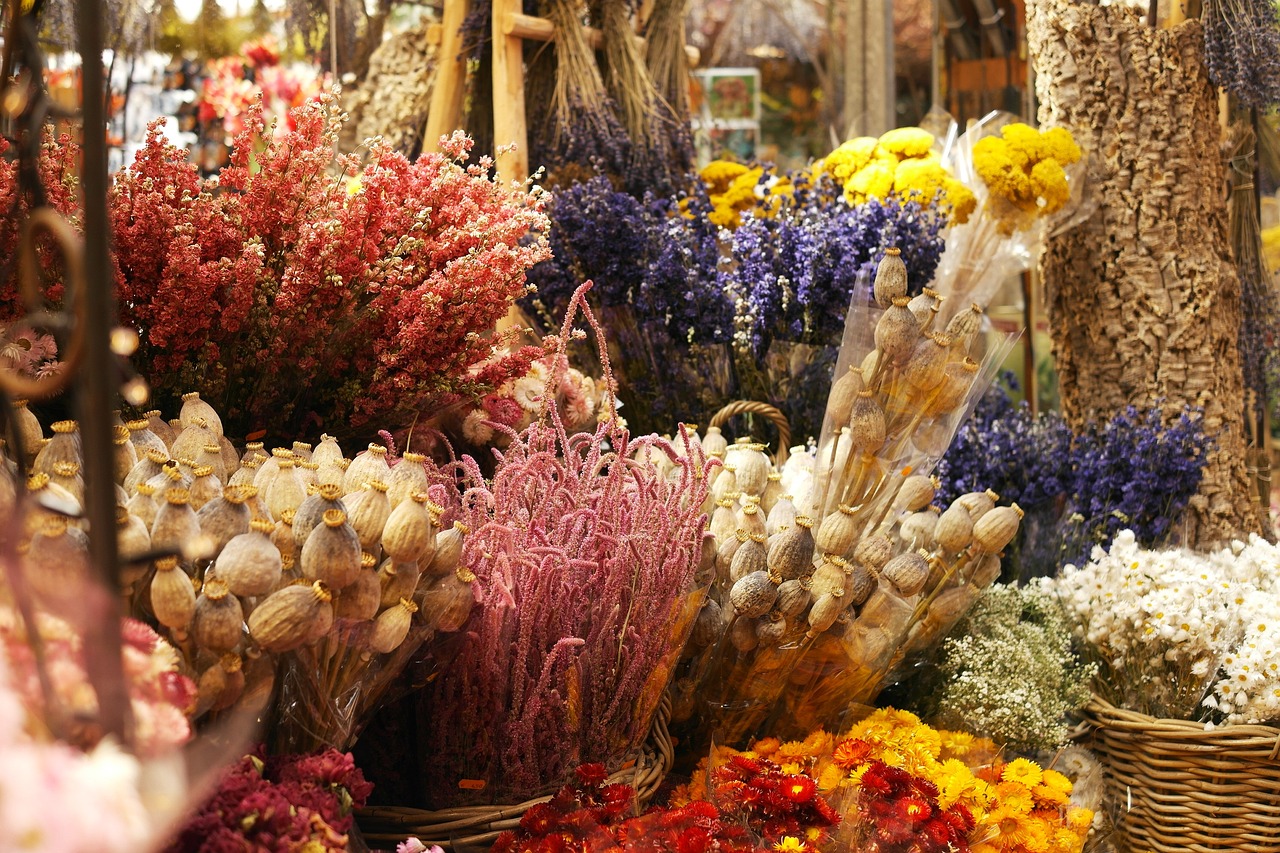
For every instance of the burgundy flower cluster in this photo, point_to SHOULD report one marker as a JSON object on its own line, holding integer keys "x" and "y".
{"x": 772, "y": 803}
{"x": 279, "y": 804}
{"x": 899, "y": 812}
{"x": 56, "y": 174}
{"x": 588, "y": 816}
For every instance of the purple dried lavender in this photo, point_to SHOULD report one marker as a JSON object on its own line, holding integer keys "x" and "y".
{"x": 1242, "y": 49}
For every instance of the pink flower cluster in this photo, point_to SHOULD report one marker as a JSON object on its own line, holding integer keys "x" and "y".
{"x": 59, "y": 161}
{"x": 27, "y": 352}
{"x": 228, "y": 94}
{"x": 279, "y": 805}
{"x": 160, "y": 695}
{"x": 584, "y": 554}
{"x": 296, "y": 302}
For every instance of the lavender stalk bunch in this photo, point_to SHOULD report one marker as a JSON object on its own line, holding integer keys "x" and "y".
{"x": 1242, "y": 49}
{"x": 794, "y": 274}
{"x": 655, "y": 271}
{"x": 584, "y": 550}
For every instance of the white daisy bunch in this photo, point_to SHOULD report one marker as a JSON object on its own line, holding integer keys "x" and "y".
{"x": 1181, "y": 634}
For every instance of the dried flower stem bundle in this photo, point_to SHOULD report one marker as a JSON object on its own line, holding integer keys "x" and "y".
{"x": 584, "y": 555}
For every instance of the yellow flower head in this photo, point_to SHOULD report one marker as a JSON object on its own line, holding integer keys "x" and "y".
{"x": 849, "y": 158}
{"x": 954, "y": 781}
{"x": 1058, "y": 781}
{"x": 718, "y": 174}
{"x": 960, "y": 199}
{"x": 830, "y": 778}
{"x": 874, "y": 180}
{"x": 1024, "y": 171}
{"x": 1080, "y": 820}
{"x": 1063, "y": 840}
{"x": 1049, "y": 184}
{"x": 766, "y": 747}
{"x": 1023, "y": 771}
{"x": 1014, "y": 797}
{"x": 1008, "y": 829}
{"x": 789, "y": 844}
{"x": 905, "y": 142}
{"x": 1050, "y": 796}
{"x": 956, "y": 744}
{"x": 1058, "y": 144}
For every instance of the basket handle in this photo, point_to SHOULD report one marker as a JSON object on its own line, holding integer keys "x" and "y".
{"x": 771, "y": 413}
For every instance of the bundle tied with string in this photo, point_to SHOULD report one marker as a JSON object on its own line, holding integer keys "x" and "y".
{"x": 883, "y": 571}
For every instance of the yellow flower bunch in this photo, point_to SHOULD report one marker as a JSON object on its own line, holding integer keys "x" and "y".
{"x": 1271, "y": 248}
{"x": 901, "y": 163}
{"x": 735, "y": 189}
{"x": 1024, "y": 169}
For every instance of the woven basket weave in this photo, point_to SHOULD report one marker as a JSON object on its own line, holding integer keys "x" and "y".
{"x": 478, "y": 826}
{"x": 772, "y": 414}
{"x": 1177, "y": 788}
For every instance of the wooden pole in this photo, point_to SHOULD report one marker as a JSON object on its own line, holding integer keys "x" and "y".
{"x": 445, "y": 113}
{"x": 510, "y": 131}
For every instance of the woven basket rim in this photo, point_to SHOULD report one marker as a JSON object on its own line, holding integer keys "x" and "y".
{"x": 1123, "y": 719}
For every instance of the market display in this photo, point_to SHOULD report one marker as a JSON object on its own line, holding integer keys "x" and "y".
{"x": 656, "y": 502}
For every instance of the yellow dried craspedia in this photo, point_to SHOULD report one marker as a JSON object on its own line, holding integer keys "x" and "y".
{"x": 905, "y": 142}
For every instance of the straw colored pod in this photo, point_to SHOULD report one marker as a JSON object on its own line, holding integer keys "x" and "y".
{"x": 996, "y": 529}
{"x": 252, "y": 450}
{"x": 224, "y": 517}
{"x": 985, "y": 571}
{"x": 965, "y": 325}
{"x": 897, "y": 333}
{"x": 874, "y": 552}
{"x": 753, "y": 595}
{"x": 194, "y": 409}
{"x": 727, "y": 550}
{"x": 363, "y": 598}
{"x": 749, "y": 558}
{"x": 326, "y": 497}
{"x": 205, "y": 486}
{"x": 714, "y": 443}
{"x": 332, "y": 553}
{"x": 221, "y": 684}
{"x": 907, "y": 572}
{"x": 724, "y": 521}
{"x": 724, "y": 483}
{"x": 257, "y": 506}
{"x": 843, "y": 392}
{"x": 143, "y": 438}
{"x": 753, "y": 469}
{"x": 57, "y": 563}
{"x": 397, "y": 581}
{"x": 143, "y": 505}
{"x": 408, "y": 477}
{"x": 772, "y": 493}
{"x": 948, "y": 396}
{"x": 749, "y": 518}
{"x": 246, "y": 473}
{"x": 410, "y": 532}
{"x": 448, "y": 550}
{"x": 28, "y": 428}
{"x": 292, "y": 617}
{"x": 708, "y": 626}
{"x": 917, "y": 529}
{"x": 448, "y": 602}
{"x": 742, "y": 634}
{"x": 160, "y": 428}
{"x": 924, "y": 307}
{"x": 132, "y": 534}
{"x": 64, "y": 446}
{"x": 123, "y": 454}
{"x": 838, "y": 532}
{"x": 283, "y": 537}
{"x": 771, "y": 630}
{"x": 286, "y": 490}
{"x": 370, "y": 465}
{"x": 867, "y": 424}
{"x": 887, "y": 609}
{"x": 830, "y": 578}
{"x": 781, "y": 516}
{"x": 269, "y": 468}
{"x": 891, "y": 278}
{"x": 327, "y": 451}
{"x": 67, "y": 476}
{"x": 368, "y": 511}
{"x": 793, "y": 598}
{"x": 218, "y": 618}
{"x": 707, "y": 559}
{"x": 330, "y": 473}
{"x": 211, "y": 455}
{"x": 977, "y": 504}
{"x": 173, "y": 596}
{"x": 944, "y": 613}
{"x": 926, "y": 369}
{"x": 791, "y": 554}
{"x": 954, "y": 530}
{"x": 309, "y": 474}
{"x": 392, "y": 626}
{"x": 823, "y": 614}
{"x": 249, "y": 563}
{"x": 916, "y": 493}
{"x": 193, "y": 438}
{"x": 860, "y": 582}
{"x": 301, "y": 451}
{"x": 176, "y": 526}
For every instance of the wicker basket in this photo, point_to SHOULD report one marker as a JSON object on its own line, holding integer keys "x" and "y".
{"x": 1177, "y": 788}
{"x": 478, "y": 826}
{"x": 770, "y": 413}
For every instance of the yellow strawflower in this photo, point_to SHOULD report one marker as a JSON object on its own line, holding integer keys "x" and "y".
{"x": 907, "y": 142}
{"x": 1024, "y": 169}
{"x": 1023, "y": 771}
{"x": 789, "y": 844}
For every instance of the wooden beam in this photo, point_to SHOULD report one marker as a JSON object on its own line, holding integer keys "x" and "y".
{"x": 510, "y": 130}
{"x": 445, "y": 112}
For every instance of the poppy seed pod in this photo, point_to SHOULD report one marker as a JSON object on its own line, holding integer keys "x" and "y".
{"x": 891, "y": 278}
{"x": 897, "y": 333}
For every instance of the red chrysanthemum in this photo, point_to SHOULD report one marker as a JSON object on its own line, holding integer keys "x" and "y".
{"x": 592, "y": 774}
{"x": 799, "y": 789}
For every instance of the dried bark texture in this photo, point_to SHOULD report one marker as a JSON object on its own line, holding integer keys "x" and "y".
{"x": 1144, "y": 301}
{"x": 392, "y": 100}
